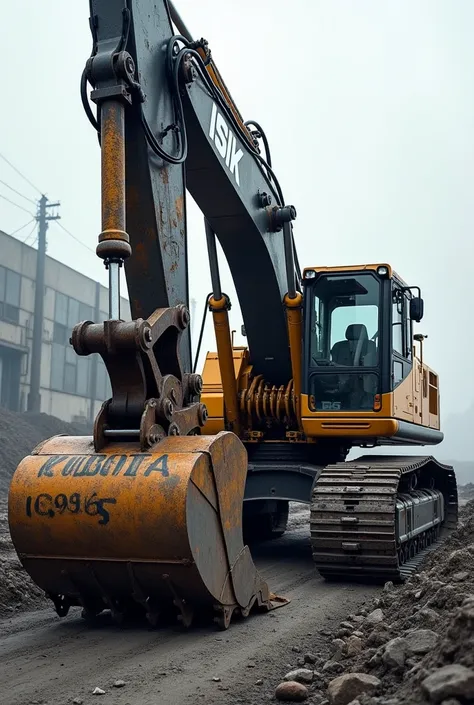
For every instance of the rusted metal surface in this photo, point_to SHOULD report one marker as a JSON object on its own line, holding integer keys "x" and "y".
{"x": 263, "y": 406}
{"x": 161, "y": 529}
{"x": 112, "y": 134}
{"x": 220, "y": 318}
{"x": 353, "y": 514}
{"x": 150, "y": 391}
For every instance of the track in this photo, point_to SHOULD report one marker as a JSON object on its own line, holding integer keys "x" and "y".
{"x": 53, "y": 661}
{"x": 353, "y": 519}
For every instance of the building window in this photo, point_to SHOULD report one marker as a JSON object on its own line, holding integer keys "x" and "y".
{"x": 10, "y": 286}
{"x": 69, "y": 372}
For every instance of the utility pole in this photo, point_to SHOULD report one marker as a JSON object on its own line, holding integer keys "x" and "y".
{"x": 34, "y": 397}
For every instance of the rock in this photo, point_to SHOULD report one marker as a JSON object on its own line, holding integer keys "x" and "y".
{"x": 429, "y": 616}
{"x": 216, "y": 679}
{"x": 395, "y": 653}
{"x": 459, "y": 577}
{"x": 333, "y": 667}
{"x": 347, "y": 625}
{"x": 451, "y": 701}
{"x": 77, "y": 701}
{"x": 309, "y": 658}
{"x": 449, "y": 681}
{"x": 291, "y": 691}
{"x": 374, "y": 660}
{"x": 375, "y": 617}
{"x": 357, "y": 618}
{"x": 119, "y": 684}
{"x": 421, "y": 641}
{"x": 98, "y": 691}
{"x": 259, "y": 682}
{"x": 300, "y": 662}
{"x": 461, "y": 556}
{"x": 359, "y": 634}
{"x": 354, "y": 646}
{"x": 342, "y": 633}
{"x": 344, "y": 689}
{"x": 418, "y": 594}
{"x": 325, "y": 632}
{"x": 296, "y": 649}
{"x": 378, "y": 636}
{"x": 301, "y": 675}
{"x": 388, "y": 586}
{"x": 418, "y": 669}
{"x": 339, "y": 644}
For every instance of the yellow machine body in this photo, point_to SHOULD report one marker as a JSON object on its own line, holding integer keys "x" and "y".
{"x": 408, "y": 414}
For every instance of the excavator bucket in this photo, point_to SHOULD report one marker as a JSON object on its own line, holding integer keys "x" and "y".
{"x": 121, "y": 529}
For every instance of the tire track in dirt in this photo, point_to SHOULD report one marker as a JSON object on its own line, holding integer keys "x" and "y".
{"x": 52, "y": 661}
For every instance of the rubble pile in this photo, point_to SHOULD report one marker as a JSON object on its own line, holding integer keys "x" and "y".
{"x": 466, "y": 492}
{"x": 20, "y": 433}
{"x": 412, "y": 644}
{"x": 17, "y": 591}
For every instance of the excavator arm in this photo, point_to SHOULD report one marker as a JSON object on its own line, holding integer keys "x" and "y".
{"x": 179, "y": 129}
{"x": 149, "y": 511}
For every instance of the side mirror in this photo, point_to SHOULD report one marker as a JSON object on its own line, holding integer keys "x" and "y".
{"x": 416, "y": 309}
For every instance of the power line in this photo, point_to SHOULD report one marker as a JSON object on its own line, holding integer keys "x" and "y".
{"x": 23, "y": 226}
{"x": 75, "y": 238}
{"x": 33, "y": 229}
{"x": 17, "y": 205}
{"x": 17, "y": 192}
{"x": 22, "y": 175}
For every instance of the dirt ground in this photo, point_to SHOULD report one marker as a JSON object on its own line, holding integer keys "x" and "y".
{"x": 350, "y": 644}
{"x": 52, "y": 661}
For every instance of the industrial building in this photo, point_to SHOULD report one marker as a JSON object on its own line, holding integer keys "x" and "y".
{"x": 71, "y": 387}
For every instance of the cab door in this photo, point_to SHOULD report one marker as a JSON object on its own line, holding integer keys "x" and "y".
{"x": 402, "y": 363}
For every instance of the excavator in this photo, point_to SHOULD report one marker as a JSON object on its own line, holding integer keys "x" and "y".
{"x": 150, "y": 513}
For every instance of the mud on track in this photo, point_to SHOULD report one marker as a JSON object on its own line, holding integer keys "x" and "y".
{"x": 50, "y": 661}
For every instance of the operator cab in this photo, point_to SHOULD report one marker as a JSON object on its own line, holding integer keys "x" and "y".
{"x": 358, "y": 336}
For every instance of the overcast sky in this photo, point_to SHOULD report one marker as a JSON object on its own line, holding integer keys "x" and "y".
{"x": 369, "y": 109}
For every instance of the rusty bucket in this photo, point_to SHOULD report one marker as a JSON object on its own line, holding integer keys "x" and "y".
{"x": 161, "y": 530}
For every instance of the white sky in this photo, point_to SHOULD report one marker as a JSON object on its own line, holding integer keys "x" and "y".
{"x": 369, "y": 109}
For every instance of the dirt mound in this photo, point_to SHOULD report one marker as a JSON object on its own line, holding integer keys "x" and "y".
{"x": 17, "y": 591}
{"x": 20, "y": 433}
{"x": 413, "y": 644}
{"x": 467, "y": 491}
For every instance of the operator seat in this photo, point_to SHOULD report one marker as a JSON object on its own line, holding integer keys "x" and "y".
{"x": 356, "y": 350}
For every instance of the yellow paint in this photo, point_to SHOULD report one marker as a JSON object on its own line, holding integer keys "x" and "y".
{"x": 353, "y": 268}
{"x": 294, "y": 314}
